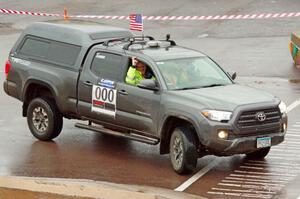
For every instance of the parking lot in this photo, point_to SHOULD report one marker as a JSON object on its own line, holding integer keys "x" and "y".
{"x": 257, "y": 49}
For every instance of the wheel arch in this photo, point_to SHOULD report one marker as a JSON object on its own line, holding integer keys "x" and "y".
{"x": 36, "y": 88}
{"x": 169, "y": 124}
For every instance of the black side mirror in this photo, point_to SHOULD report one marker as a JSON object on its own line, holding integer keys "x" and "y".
{"x": 148, "y": 84}
{"x": 232, "y": 75}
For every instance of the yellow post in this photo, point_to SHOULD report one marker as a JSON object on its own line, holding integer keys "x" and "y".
{"x": 66, "y": 17}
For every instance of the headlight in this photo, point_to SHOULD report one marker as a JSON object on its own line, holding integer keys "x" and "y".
{"x": 282, "y": 107}
{"x": 217, "y": 115}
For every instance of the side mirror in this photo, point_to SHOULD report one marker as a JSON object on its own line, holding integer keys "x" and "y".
{"x": 232, "y": 75}
{"x": 148, "y": 84}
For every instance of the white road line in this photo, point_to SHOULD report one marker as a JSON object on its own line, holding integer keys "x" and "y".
{"x": 256, "y": 180}
{"x": 284, "y": 151}
{"x": 254, "y": 183}
{"x": 292, "y": 135}
{"x": 292, "y": 166}
{"x": 284, "y": 155}
{"x": 262, "y": 196}
{"x": 261, "y": 177}
{"x": 250, "y": 186}
{"x": 266, "y": 173}
{"x": 287, "y": 148}
{"x": 197, "y": 176}
{"x": 298, "y": 197}
{"x": 281, "y": 158}
{"x": 285, "y": 169}
{"x": 285, "y": 145}
{"x": 243, "y": 190}
{"x": 264, "y": 162}
{"x": 293, "y": 130}
{"x": 291, "y": 142}
{"x": 293, "y": 105}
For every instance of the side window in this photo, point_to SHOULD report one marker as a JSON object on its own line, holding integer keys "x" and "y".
{"x": 35, "y": 48}
{"x": 141, "y": 71}
{"x": 50, "y": 51}
{"x": 63, "y": 53}
{"x": 107, "y": 65}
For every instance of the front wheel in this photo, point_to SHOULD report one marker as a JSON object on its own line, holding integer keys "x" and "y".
{"x": 259, "y": 154}
{"x": 44, "y": 120}
{"x": 183, "y": 151}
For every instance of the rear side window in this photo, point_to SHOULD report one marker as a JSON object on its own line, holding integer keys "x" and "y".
{"x": 35, "y": 48}
{"x": 107, "y": 65}
{"x": 50, "y": 51}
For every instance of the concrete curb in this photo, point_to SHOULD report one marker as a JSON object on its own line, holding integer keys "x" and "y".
{"x": 53, "y": 188}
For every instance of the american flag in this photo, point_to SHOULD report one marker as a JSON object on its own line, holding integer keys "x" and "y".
{"x": 136, "y": 22}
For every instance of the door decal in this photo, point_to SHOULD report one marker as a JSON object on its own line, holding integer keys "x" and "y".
{"x": 104, "y": 98}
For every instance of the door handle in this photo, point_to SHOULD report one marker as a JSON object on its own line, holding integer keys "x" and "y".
{"x": 122, "y": 92}
{"x": 87, "y": 83}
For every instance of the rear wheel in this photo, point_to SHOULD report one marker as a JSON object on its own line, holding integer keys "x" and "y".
{"x": 44, "y": 120}
{"x": 183, "y": 152}
{"x": 259, "y": 154}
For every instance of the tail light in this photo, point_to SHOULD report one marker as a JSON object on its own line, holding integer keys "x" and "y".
{"x": 7, "y": 68}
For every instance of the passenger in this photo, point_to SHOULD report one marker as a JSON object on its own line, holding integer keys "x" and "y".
{"x": 137, "y": 72}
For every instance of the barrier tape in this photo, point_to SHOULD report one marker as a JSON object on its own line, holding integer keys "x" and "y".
{"x": 6, "y": 11}
{"x": 162, "y": 18}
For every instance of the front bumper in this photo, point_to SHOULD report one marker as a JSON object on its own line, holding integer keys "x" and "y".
{"x": 237, "y": 143}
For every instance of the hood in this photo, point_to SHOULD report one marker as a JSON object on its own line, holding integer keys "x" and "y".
{"x": 226, "y": 97}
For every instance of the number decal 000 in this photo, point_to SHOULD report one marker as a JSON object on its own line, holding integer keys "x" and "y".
{"x": 104, "y": 100}
{"x": 111, "y": 96}
{"x": 98, "y": 93}
{"x": 104, "y": 94}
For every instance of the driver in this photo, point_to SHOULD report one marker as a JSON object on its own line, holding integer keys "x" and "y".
{"x": 137, "y": 72}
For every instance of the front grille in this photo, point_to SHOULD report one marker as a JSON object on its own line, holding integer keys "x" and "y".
{"x": 248, "y": 124}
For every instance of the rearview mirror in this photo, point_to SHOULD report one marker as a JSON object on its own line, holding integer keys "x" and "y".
{"x": 232, "y": 75}
{"x": 148, "y": 84}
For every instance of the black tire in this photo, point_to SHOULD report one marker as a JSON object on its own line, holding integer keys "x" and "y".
{"x": 44, "y": 119}
{"x": 183, "y": 162}
{"x": 259, "y": 154}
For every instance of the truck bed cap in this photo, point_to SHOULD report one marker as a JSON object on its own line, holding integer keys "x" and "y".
{"x": 82, "y": 34}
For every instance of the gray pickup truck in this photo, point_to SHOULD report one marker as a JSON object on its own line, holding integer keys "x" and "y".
{"x": 192, "y": 108}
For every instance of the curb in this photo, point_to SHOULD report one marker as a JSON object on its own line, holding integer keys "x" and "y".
{"x": 57, "y": 188}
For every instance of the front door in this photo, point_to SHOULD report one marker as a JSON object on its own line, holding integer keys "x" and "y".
{"x": 138, "y": 108}
{"x": 97, "y": 87}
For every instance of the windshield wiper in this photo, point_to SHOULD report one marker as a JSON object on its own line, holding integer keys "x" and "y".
{"x": 213, "y": 85}
{"x": 188, "y": 88}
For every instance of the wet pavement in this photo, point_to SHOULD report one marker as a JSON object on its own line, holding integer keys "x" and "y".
{"x": 257, "y": 50}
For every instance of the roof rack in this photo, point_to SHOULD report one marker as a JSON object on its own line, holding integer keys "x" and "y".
{"x": 142, "y": 40}
{"x": 135, "y": 38}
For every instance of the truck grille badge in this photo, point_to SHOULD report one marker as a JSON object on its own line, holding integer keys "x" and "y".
{"x": 261, "y": 116}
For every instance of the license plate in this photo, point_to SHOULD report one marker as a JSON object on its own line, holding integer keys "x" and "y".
{"x": 263, "y": 142}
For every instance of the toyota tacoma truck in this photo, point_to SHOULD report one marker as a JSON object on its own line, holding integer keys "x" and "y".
{"x": 191, "y": 108}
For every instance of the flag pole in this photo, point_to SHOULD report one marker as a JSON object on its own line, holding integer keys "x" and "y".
{"x": 143, "y": 27}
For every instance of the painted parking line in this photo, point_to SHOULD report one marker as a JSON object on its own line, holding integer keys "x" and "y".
{"x": 197, "y": 176}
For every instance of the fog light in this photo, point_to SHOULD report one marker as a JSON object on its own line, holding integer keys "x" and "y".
{"x": 222, "y": 134}
{"x": 284, "y": 126}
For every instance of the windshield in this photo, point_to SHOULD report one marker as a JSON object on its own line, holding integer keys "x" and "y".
{"x": 192, "y": 73}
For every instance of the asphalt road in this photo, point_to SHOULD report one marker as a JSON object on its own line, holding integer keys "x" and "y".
{"x": 256, "y": 49}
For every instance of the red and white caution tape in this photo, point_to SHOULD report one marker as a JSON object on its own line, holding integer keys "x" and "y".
{"x": 164, "y": 18}
{"x": 6, "y": 11}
